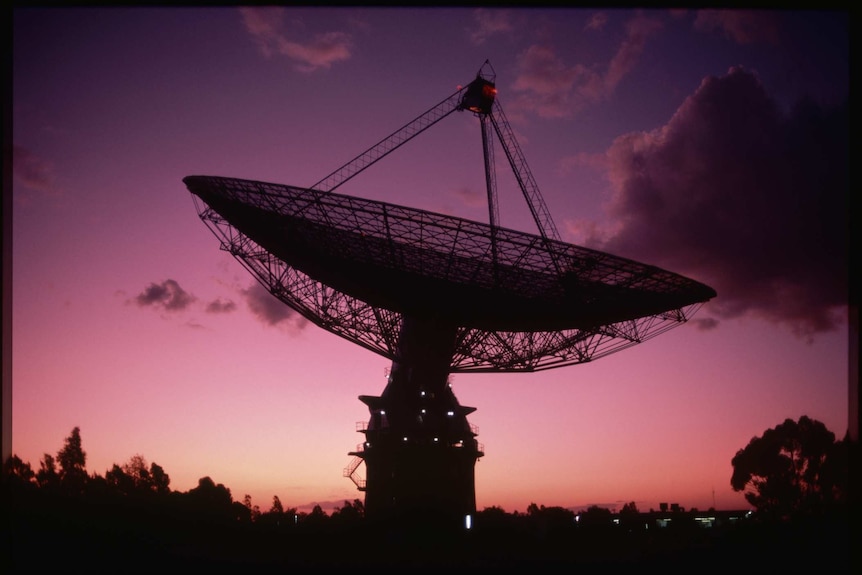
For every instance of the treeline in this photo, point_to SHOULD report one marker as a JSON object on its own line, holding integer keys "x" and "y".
{"x": 136, "y": 483}
{"x": 60, "y": 515}
{"x": 64, "y": 477}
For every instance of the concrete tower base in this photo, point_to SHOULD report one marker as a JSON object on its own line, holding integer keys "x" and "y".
{"x": 419, "y": 449}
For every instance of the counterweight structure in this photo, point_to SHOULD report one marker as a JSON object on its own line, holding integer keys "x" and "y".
{"x": 436, "y": 295}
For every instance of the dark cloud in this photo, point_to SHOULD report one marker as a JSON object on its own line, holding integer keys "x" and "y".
{"x": 167, "y": 295}
{"x": 743, "y": 196}
{"x": 220, "y": 306}
{"x": 269, "y": 309}
{"x": 705, "y": 323}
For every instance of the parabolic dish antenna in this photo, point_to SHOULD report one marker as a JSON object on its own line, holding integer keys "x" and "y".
{"x": 437, "y": 294}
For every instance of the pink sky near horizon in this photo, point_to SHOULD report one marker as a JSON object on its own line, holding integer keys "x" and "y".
{"x": 617, "y": 114}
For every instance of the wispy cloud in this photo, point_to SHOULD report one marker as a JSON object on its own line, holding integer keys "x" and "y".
{"x": 597, "y": 21}
{"x": 551, "y": 88}
{"x": 744, "y": 197}
{"x": 583, "y": 160}
{"x": 167, "y": 295}
{"x": 489, "y": 22}
{"x": 33, "y": 173}
{"x": 741, "y": 26}
{"x": 470, "y": 197}
{"x": 546, "y": 84}
{"x": 637, "y": 31}
{"x": 268, "y": 28}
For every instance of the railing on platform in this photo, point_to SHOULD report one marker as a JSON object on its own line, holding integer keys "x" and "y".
{"x": 350, "y": 472}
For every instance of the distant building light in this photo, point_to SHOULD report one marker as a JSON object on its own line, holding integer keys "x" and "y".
{"x": 435, "y": 440}
{"x": 405, "y": 438}
{"x": 450, "y": 413}
{"x": 468, "y": 521}
{"x": 422, "y": 393}
{"x": 423, "y": 410}
{"x": 382, "y": 412}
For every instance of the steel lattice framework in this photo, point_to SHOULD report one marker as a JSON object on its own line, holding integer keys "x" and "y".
{"x": 437, "y": 295}
{"x": 522, "y": 302}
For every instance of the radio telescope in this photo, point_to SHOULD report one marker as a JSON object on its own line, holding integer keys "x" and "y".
{"x": 437, "y": 295}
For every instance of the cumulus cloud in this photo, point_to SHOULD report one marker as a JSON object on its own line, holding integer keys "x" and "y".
{"x": 741, "y": 26}
{"x": 489, "y": 22}
{"x": 747, "y": 198}
{"x": 552, "y": 89}
{"x": 268, "y": 28}
{"x": 167, "y": 295}
{"x": 269, "y": 309}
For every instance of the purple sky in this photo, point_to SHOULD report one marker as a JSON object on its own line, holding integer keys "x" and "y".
{"x": 711, "y": 143}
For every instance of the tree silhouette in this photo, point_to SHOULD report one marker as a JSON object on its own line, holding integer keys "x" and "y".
{"x": 794, "y": 468}
{"x": 18, "y": 473}
{"x": 213, "y": 502}
{"x": 136, "y": 468}
{"x": 630, "y": 515}
{"x": 277, "y": 507}
{"x": 350, "y": 512}
{"x": 253, "y": 510}
{"x": 550, "y": 521}
{"x": 47, "y": 476}
{"x": 118, "y": 480}
{"x": 73, "y": 460}
{"x": 208, "y": 491}
{"x": 315, "y": 520}
{"x": 161, "y": 481}
{"x": 277, "y": 516}
{"x": 629, "y": 508}
{"x": 596, "y": 517}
